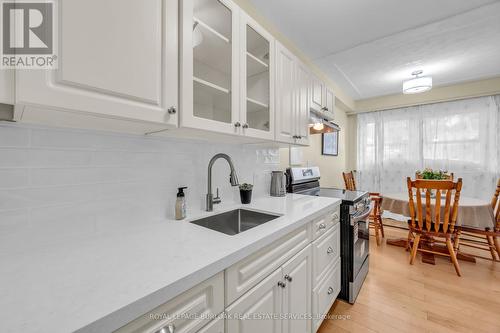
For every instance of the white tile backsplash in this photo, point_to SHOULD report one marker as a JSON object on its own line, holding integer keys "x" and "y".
{"x": 51, "y": 174}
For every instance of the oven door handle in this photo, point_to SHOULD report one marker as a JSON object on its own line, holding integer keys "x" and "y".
{"x": 361, "y": 217}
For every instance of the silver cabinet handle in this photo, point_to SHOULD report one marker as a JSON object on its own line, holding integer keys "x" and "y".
{"x": 171, "y": 110}
{"x": 335, "y": 216}
{"x": 282, "y": 284}
{"x": 245, "y": 125}
{"x": 170, "y": 328}
{"x": 322, "y": 226}
{"x": 330, "y": 291}
{"x": 330, "y": 250}
{"x": 288, "y": 278}
{"x": 237, "y": 124}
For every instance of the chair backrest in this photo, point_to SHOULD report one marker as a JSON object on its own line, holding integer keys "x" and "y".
{"x": 349, "y": 182}
{"x": 446, "y": 177}
{"x": 495, "y": 204}
{"x": 434, "y": 217}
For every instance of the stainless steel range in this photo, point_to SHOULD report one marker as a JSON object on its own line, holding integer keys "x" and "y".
{"x": 354, "y": 235}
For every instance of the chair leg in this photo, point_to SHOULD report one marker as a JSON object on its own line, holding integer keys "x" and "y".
{"x": 381, "y": 226}
{"x": 497, "y": 245}
{"x": 408, "y": 242}
{"x": 493, "y": 251}
{"x": 414, "y": 249}
{"x": 453, "y": 256}
{"x": 377, "y": 233}
{"x": 456, "y": 241}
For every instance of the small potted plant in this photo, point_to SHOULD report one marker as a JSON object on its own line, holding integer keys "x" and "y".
{"x": 430, "y": 174}
{"x": 246, "y": 193}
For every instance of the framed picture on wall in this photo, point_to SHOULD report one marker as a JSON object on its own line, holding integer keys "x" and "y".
{"x": 330, "y": 144}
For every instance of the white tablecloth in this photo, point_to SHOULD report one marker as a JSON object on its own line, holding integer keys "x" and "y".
{"x": 471, "y": 212}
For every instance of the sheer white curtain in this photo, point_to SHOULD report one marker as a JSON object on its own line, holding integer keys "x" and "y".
{"x": 461, "y": 137}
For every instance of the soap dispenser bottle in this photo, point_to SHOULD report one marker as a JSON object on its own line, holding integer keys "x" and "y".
{"x": 180, "y": 204}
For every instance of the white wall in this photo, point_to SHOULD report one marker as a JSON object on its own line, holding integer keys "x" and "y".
{"x": 50, "y": 175}
{"x": 331, "y": 167}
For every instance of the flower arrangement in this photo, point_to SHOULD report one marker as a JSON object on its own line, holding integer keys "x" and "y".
{"x": 428, "y": 173}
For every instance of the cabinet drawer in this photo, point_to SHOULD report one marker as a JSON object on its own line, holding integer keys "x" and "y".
{"x": 188, "y": 312}
{"x": 248, "y": 272}
{"x": 325, "y": 222}
{"x": 326, "y": 251}
{"x": 325, "y": 294}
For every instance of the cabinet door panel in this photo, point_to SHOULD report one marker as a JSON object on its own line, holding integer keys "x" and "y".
{"x": 317, "y": 94}
{"x": 264, "y": 299}
{"x": 326, "y": 251}
{"x": 303, "y": 104}
{"x": 325, "y": 293}
{"x": 297, "y": 293}
{"x": 285, "y": 95}
{"x": 257, "y": 79}
{"x": 210, "y": 72}
{"x": 329, "y": 101}
{"x": 121, "y": 63}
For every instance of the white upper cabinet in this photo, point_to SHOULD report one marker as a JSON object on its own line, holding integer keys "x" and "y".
{"x": 210, "y": 72}
{"x": 293, "y": 89}
{"x": 117, "y": 59}
{"x": 318, "y": 94}
{"x": 329, "y": 101}
{"x": 6, "y": 86}
{"x": 257, "y": 79}
{"x": 285, "y": 95}
{"x": 303, "y": 96}
{"x": 322, "y": 97}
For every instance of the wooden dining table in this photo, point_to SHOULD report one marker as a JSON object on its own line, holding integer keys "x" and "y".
{"x": 472, "y": 212}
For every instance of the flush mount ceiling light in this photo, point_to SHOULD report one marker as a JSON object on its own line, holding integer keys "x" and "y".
{"x": 418, "y": 84}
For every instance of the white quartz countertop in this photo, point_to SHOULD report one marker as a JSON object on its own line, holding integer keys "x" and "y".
{"x": 98, "y": 281}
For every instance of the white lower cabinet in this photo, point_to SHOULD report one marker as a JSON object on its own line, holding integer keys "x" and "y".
{"x": 325, "y": 293}
{"x": 326, "y": 250}
{"x": 186, "y": 313}
{"x": 256, "y": 309}
{"x": 297, "y": 296}
{"x": 280, "y": 303}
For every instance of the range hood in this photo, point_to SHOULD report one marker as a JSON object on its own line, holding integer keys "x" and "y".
{"x": 321, "y": 122}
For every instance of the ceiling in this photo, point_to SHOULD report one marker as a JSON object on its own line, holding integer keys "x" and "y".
{"x": 369, "y": 47}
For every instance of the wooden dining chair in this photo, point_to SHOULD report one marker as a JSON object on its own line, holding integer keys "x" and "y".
{"x": 487, "y": 239}
{"x": 350, "y": 183}
{"x": 375, "y": 216}
{"x": 429, "y": 219}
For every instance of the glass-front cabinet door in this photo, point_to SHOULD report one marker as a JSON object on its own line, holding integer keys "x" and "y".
{"x": 209, "y": 65}
{"x": 257, "y": 79}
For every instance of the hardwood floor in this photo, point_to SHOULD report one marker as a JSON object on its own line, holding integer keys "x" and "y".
{"x": 397, "y": 297}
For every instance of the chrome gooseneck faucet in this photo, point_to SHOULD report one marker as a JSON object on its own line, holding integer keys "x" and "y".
{"x": 233, "y": 179}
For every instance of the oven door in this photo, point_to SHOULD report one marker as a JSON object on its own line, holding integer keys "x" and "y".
{"x": 360, "y": 234}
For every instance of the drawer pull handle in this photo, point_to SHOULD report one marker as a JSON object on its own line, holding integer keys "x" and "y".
{"x": 288, "y": 278}
{"x": 322, "y": 226}
{"x": 335, "y": 216}
{"x": 282, "y": 284}
{"x": 330, "y": 250}
{"x": 330, "y": 291}
{"x": 170, "y": 328}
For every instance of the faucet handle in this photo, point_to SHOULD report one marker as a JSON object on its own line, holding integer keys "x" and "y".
{"x": 217, "y": 199}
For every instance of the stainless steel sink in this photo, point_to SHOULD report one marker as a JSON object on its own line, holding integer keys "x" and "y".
{"x": 235, "y": 221}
